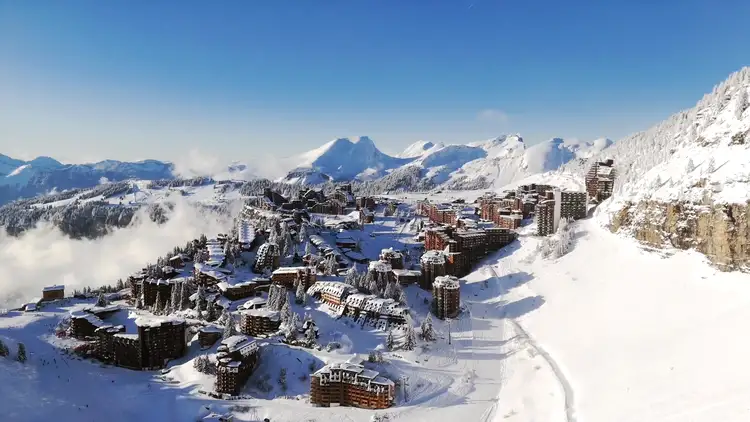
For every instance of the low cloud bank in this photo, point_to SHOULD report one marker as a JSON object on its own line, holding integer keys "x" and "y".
{"x": 199, "y": 163}
{"x": 45, "y": 256}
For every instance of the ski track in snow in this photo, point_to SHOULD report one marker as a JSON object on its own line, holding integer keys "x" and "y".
{"x": 562, "y": 379}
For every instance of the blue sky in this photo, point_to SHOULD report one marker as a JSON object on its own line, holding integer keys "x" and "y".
{"x": 84, "y": 80}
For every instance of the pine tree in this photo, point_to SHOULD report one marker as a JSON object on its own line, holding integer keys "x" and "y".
{"x": 4, "y": 352}
{"x": 351, "y": 277}
{"x": 21, "y": 354}
{"x": 410, "y": 340}
{"x": 303, "y": 234}
{"x": 295, "y": 321}
{"x": 307, "y": 248}
{"x": 310, "y": 334}
{"x": 390, "y": 291}
{"x": 200, "y": 300}
{"x": 101, "y": 301}
{"x": 229, "y": 328}
{"x": 157, "y": 309}
{"x": 211, "y": 311}
{"x": 174, "y": 300}
{"x": 402, "y": 298}
{"x": 428, "y": 332}
{"x": 299, "y": 298}
{"x": 711, "y": 166}
{"x": 199, "y": 363}
{"x": 286, "y": 313}
{"x": 690, "y": 166}
{"x": 389, "y": 342}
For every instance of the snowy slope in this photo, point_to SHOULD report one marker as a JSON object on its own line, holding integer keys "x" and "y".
{"x": 20, "y": 178}
{"x": 418, "y": 149}
{"x": 655, "y": 163}
{"x": 475, "y": 165}
{"x": 343, "y": 159}
{"x": 509, "y": 159}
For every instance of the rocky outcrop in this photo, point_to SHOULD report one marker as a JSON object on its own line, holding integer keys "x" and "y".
{"x": 719, "y": 231}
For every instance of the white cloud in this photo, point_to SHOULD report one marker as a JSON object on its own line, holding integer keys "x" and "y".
{"x": 493, "y": 115}
{"x": 197, "y": 162}
{"x": 45, "y": 256}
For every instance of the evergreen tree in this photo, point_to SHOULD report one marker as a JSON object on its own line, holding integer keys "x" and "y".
{"x": 199, "y": 363}
{"x": 402, "y": 298}
{"x": 286, "y": 313}
{"x": 101, "y": 301}
{"x": 428, "y": 332}
{"x": 390, "y": 291}
{"x": 690, "y": 166}
{"x": 139, "y": 302}
{"x": 157, "y": 308}
{"x": 174, "y": 300}
{"x": 120, "y": 284}
{"x": 4, "y": 352}
{"x": 303, "y": 234}
{"x": 300, "y": 294}
{"x": 310, "y": 334}
{"x": 307, "y": 248}
{"x": 295, "y": 321}
{"x": 711, "y": 166}
{"x": 389, "y": 341}
{"x": 272, "y": 297}
{"x": 351, "y": 277}
{"x": 229, "y": 328}
{"x": 21, "y": 354}
{"x": 200, "y": 300}
{"x": 211, "y": 311}
{"x": 410, "y": 340}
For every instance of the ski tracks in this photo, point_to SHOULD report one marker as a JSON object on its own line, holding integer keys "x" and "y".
{"x": 567, "y": 388}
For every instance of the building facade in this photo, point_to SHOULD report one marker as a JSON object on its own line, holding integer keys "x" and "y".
{"x": 257, "y": 322}
{"x": 236, "y": 358}
{"x": 349, "y": 384}
{"x": 446, "y": 296}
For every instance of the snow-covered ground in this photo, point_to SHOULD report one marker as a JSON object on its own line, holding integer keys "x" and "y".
{"x": 608, "y": 332}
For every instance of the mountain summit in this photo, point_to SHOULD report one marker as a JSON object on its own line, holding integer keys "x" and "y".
{"x": 343, "y": 159}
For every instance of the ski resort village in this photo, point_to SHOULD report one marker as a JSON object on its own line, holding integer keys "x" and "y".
{"x": 319, "y": 300}
{"x": 493, "y": 281}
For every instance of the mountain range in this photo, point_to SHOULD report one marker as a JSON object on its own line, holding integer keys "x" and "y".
{"x": 474, "y": 165}
{"x": 22, "y": 179}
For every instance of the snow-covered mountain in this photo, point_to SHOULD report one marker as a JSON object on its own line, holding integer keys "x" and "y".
{"x": 685, "y": 182}
{"x": 476, "y": 165}
{"x": 20, "y": 178}
{"x": 419, "y": 148}
{"x": 343, "y": 159}
{"x": 499, "y": 161}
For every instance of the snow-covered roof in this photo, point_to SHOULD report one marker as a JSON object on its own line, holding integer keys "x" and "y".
{"x": 54, "y": 288}
{"x": 433, "y": 257}
{"x": 245, "y": 232}
{"x": 406, "y": 273}
{"x": 361, "y": 374}
{"x": 446, "y": 281}
{"x": 91, "y": 318}
{"x": 391, "y": 251}
{"x": 211, "y": 329}
{"x": 262, "y": 313}
{"x": 254, "y": 302}
{"x": 239, "y": 343}
{"x": 129, "y": 336}
{"x": 288, "y": 270}
{"x": 334, "y": 288}
{"x": 379, "y": 266}
{"x": 154, "y": 321}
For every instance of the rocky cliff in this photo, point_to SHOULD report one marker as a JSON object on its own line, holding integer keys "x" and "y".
{"x": 719, "y": 231}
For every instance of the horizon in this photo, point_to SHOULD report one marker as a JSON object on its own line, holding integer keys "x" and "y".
{"x": 86, "y": 81}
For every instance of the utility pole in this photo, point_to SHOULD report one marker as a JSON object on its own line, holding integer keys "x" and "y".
{"x": 449, "y": 331}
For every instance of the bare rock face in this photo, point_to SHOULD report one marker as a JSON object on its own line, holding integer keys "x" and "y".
{"x": 719, "y": 231}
